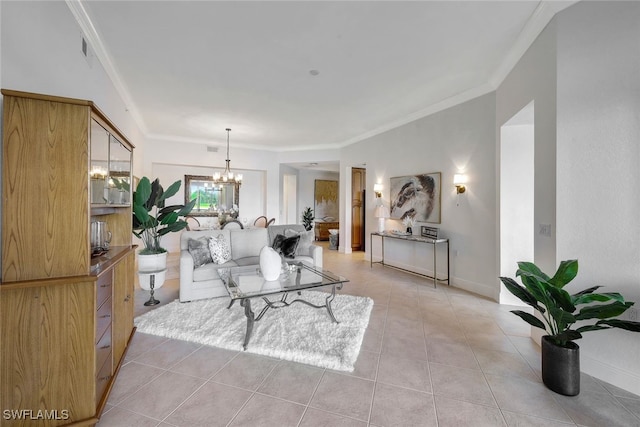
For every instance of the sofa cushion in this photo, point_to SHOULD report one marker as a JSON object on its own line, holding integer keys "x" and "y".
{"x": 199, "y": 250}
{"x": 220, "y": 251}
{"x": 286, "y": 245}
{"x": 306, "y": 240}
{"x": 210, "y": 271}
{"x": 248, "y": 242}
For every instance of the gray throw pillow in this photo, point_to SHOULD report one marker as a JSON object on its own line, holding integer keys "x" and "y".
{"x": 199, "y": 250}
{"x": 305, "y": 242}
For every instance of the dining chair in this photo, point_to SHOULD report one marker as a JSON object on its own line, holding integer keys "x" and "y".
{"x": 234, "y": 223}
{"x": 261, "y": 221}
{"x": 192, "y": 222}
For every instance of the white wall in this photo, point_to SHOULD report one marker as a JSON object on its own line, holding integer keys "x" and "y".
{"x": 41, "y": 53}
{"x": 598, "y": 158}
{"x": 459, "y": 139}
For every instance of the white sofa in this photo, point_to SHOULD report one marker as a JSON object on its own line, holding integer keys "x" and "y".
{"x": 204, "y": 282}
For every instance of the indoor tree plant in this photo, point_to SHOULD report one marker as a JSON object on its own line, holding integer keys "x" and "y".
{"x": 152, "y": 220}
{"x": 560, "y": 311}
{"x": 307, "y": 218}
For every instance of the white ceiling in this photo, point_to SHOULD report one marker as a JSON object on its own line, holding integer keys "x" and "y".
{"x": 190, "y": 69}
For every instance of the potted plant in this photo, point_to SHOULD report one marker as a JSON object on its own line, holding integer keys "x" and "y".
{"x": 307, "y": 218}
{"x": 152, "y": 220}
{"x": 560, "y": 311}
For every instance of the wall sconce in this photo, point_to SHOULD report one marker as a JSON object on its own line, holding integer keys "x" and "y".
{"x": 459, "y": 180}
{"x": 377, "y": 189}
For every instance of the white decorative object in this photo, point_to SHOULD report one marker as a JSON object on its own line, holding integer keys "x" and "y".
{"x": 297, "y": 333}
{"x": 270, "y": 263}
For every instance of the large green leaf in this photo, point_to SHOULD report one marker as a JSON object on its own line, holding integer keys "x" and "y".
{"x": 603, "y": 311}
{"x": 173, "y": 189}
{"x": 520, "y": 292}
{"x": 532, "y": 270}
{"x": 143, "y": 190}
{"x": 567, "y": 335}
{"x": 141, "y": 214}
{"x": 588, "y": 298}
{"x": 156, "y": 198}
{"x": 537, "y": 288}
{"x": 622, "y": 324}
{"x": 561, "y": 317}
{"x": 530, "y": 319}
{"x": 168, "y": 218}
{"x": 562, "y": 298}
{"x": 176, "y": 226}
{"x": 586, "y": 291}
{"x": 567, "y": 271}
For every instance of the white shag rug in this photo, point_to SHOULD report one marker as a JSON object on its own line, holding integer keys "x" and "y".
{"x": 298, "y": 333}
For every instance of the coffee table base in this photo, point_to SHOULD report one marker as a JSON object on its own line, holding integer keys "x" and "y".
{"x": 252, "y": 318}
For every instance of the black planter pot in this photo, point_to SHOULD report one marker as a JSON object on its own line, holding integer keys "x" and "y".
{"x": 561, "y": 367}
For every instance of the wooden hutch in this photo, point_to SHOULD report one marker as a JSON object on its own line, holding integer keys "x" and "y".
{"x": 66, "y": 317}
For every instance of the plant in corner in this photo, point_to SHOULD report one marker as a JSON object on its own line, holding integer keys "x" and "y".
{"x": 560, "y": 311}
{"x": 307, "y": 218}
{"x": 152, "y": 219}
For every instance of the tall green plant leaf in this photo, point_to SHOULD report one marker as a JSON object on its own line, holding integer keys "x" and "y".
{"x": 521, "y": 293}
{"x": 173, "y": 189}
{"x": 589, "y": 298}
{"x": 567, "y": 271}
{"x": 603, "y": 311}
{"x": 622, "y": 324}
{"x": 562, "y": 298}
{"x": 532, "y": 270}
{"x": 530, "y": 319}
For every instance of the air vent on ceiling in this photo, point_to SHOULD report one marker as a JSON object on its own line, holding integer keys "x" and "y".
{"x": 211, "y": 149}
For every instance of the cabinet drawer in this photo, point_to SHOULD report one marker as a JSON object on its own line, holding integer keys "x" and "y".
{"x": 103, "y": 319}
{"x": 103, "y": 348}
{"x": 103, "y": 287}
{"x": 103, "y": 377}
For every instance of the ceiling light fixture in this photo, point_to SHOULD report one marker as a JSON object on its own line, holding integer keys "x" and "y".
{"x": 227, "y": 176}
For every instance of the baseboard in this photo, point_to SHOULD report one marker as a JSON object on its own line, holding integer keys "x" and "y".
{"x": 467, "y": 285}
{"x": 620, "y": 378}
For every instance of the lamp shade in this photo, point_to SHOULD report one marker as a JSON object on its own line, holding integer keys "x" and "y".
{"x": 381, "y": 212}
{"x": 459, "y": 179}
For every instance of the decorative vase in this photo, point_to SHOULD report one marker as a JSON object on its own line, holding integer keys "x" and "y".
{"x": 561, "y": 367}
{"x": 270, "y": 263}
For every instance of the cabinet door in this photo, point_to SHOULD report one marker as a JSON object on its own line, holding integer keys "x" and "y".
{"x": 119, "y": 172}
{"x": 122, "y": 305}
{"x": 99, "y": 163}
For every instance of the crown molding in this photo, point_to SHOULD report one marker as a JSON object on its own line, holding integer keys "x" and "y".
{"x": 540, "y": 18}
{"x": 88, "y": 29}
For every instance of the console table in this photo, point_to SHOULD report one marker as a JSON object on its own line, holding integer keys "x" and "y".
{"x": 416, "y": 239}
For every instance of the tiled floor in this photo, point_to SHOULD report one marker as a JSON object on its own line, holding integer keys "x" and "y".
{"x": 429, "y": 358}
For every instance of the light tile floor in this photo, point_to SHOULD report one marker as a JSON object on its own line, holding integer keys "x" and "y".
{"x": 430, "y": 357}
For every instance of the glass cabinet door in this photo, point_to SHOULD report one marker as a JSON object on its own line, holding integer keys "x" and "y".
{"x": 99, "y": 163}
{"x": 119, "y": 172}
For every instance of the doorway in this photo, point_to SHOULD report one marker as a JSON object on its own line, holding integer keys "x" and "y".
{"x": 358, "y": 207}
{"x": 289, "y": 199}
{"x": 516, "y": 195}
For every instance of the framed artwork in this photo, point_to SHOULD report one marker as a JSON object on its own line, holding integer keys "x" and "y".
{"x": 416, "y": 196}
{"x": 326, "y": 200}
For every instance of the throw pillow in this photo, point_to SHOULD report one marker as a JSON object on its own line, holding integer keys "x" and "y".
{"x": 306, "y": 240}
{"x": 199, "y": 250}
{"x": 220, "y": 250}
{"x": 286, "y": 245}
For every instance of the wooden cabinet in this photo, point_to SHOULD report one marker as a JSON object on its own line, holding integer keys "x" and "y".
{"x": 322, "y": 229}
{"x": 66, "y": 318}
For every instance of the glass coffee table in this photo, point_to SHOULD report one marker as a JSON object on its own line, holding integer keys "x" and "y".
{"x": 245, "y": 283}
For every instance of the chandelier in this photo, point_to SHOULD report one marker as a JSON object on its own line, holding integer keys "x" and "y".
{"x": 227, "y": 176}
